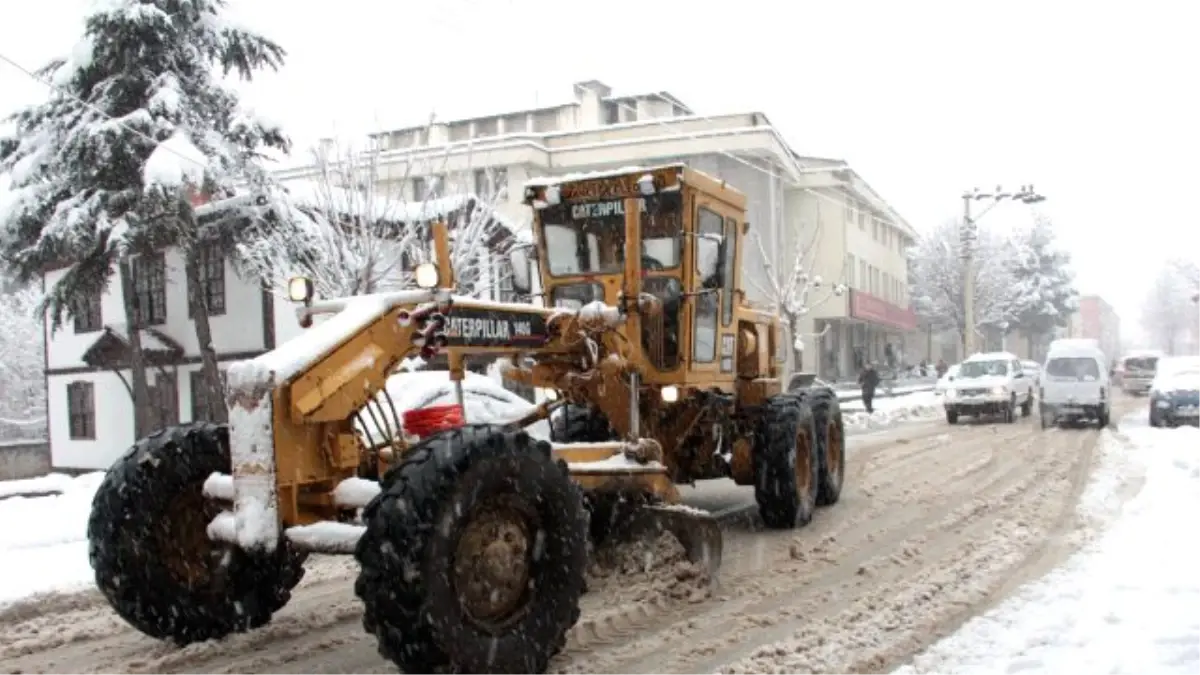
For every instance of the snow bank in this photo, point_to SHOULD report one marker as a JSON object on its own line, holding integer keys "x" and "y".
{"x": 1128, "y": 602}
{"x": 43, "y": 540}
{"x": 891, "y": 411}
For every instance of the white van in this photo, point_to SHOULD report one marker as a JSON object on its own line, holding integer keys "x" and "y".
{"x": 1075, "y": 384}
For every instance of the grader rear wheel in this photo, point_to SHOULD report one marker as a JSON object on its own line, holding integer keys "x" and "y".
{"x": 149, "y": 546}
{"x": 831, "y": 446}
{"x": 474, "y": 555}
{"x": 786, "y": 463}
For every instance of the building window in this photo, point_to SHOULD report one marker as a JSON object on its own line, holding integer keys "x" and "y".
{"x": 863, "y": 279}
{"x": 850, "y": 269}
{"x": 212, "y": 280}
{"x": 86, "y": 314}
{"x": 862, "y": 216}
{"x": 81, "y": 411}
{"x": 499, "y": 183}
{"x": 849, "y": 209}
{"x": 164, "y": 399}
{"x": 612, "y": 113}
{"x": 419, "y": 190}
{"x": 875, "y": 234}
{"x": 482, "y": 185}
{"x": 487, "y": 127}
{"x": 150, "y": 289}
{"x": 201, "y": 406}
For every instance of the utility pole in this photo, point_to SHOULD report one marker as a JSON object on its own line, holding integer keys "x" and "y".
{"x": 968, "y": 235}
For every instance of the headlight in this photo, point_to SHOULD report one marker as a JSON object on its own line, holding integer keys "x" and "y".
{"x": 950, "y": 393}
{"x": 999, "y": 391}
{"x": 300, "y": 289}
{"x": 670, "y": 394}
{"x": 427, "y": 275}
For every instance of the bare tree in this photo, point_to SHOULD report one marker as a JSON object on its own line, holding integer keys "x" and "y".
{"x": 794, "y": 292}
{"x": 936, "y": 280}
{"x": 1170, "y": 315}
{"x": 354, "y": 233}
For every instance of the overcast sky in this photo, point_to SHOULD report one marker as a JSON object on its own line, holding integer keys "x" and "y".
{"x": 1095, "y": 103}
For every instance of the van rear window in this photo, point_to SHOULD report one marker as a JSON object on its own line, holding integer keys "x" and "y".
{"x": 1141, "y": 363}
{"x": 1073, "y": 367}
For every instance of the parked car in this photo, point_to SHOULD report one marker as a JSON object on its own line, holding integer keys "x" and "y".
{"x": 989, "y": 384}
{"x": 1075, "y": 386}
{"x": 1175, "y": 392}
{"x": 1137, "y": 371}
{"x": 1034, "y": 370}
{"x": 943, "y": 383}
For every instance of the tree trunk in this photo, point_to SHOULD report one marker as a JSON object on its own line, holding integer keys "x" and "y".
{"x": 214, "y": 393}
{"x": 1029, "y": 342}
{"x": 144, "y": 418}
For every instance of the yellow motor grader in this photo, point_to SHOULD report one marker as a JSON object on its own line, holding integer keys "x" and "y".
{"x": 473, "y": 536}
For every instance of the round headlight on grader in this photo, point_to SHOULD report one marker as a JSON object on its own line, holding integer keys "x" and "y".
{"x": 473, "y": 536}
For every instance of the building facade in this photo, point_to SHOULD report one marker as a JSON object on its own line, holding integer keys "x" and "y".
{"x": 844, "y": 230}
{"x": 1097, "y": 320}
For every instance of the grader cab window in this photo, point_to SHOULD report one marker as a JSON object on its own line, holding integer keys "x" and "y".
{"x": 589, "y": 237}
{"x": 710, "y": 227}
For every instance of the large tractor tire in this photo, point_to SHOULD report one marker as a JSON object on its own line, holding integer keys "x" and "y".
{"x": 831, "y": 445}
{"x": 149, "y": 545}
{"x": 786, "y": 465}
{"x": 580, "y": 424}
{"x": 474, "y": 555}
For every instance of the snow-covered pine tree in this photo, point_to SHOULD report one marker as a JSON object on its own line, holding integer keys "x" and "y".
{"x": 936, "y": 280}
{"x": 102, "y": 172}
{"x": 1043, "y": 293}
{"x": 23, "y": 405}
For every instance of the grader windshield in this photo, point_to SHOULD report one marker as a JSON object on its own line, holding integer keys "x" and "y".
{"x": 588, "y": 237}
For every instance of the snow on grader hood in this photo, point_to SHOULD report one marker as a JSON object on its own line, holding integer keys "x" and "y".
{"x": 473, "y": 537}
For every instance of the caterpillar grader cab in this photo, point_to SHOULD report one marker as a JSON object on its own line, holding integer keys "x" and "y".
{"x": 473, "y": 536}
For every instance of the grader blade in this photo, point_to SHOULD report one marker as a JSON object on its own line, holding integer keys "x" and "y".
{"x": 698, "y": 531}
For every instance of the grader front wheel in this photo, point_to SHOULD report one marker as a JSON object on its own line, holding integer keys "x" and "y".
{"x": 786, "y": 465}
{"x": 474, "y": 555}
{"x": 149, "y": 546}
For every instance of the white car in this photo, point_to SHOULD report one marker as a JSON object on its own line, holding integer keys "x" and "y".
{"x": 944, "y": 381}
{"x": 1034, "y": 370}
{"x": 989, "y": 384}
{"x": 1075, "y": 386}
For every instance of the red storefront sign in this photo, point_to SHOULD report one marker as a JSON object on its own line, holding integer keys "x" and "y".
{"x": 877, "y": 310}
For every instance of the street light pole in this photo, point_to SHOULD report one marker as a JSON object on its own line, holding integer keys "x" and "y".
{"x": 967, "y": 238}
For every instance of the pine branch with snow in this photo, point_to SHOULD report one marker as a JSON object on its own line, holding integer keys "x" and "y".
{"x": 23, "y": 405}
{"x": 95, "y": 182}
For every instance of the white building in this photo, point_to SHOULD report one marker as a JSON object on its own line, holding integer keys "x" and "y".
{"x": 853, "y": 235}
{"x": 89, "y": 406}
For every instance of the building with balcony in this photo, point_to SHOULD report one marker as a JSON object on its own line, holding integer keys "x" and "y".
{"x": 847, "y": 232}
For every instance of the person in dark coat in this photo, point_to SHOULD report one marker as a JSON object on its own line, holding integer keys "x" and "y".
{"x": 868, "y": 379}
{"x": 942, "y": 368}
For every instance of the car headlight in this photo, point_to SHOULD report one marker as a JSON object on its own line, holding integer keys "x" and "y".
{"x": 950, "y": 393}
{"x": 999, "y": 391}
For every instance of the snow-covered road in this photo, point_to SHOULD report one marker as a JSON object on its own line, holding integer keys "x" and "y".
{"x": 935, "y": 523}
{"x": 1129, "y": 602}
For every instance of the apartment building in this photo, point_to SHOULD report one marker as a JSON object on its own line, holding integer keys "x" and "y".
{"x": 850, "y": 234}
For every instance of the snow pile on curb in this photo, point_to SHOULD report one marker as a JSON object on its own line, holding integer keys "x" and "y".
{"x": 891, "y": 411}
{"x": 1128, "y": 601}
{"x": 43, "y": 540}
